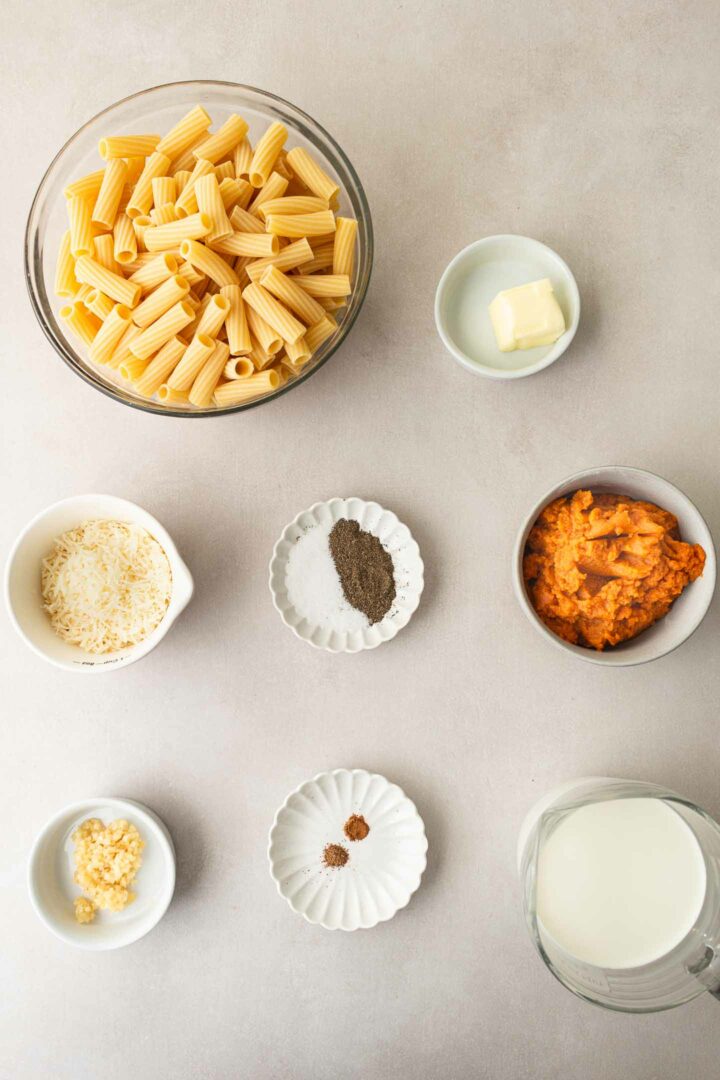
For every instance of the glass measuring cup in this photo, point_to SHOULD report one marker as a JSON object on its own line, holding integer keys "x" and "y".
{"x": 689, "y": 967}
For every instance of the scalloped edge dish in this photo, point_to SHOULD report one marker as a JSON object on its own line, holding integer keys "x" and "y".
{"x": 383, "y": 870}
{"x": 395, "y": 537}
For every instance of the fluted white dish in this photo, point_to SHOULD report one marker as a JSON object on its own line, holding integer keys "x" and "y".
{"x": 383, "y": 870}
{"x": 408, "y": 569}
{"x": 23, "y": 591}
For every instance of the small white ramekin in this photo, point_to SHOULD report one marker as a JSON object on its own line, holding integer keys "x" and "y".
{"x": 53, "y": 891}
{"x": 689, "y": 609}
{"x": 474, "y": 278}
{"x": 23, "y": 594}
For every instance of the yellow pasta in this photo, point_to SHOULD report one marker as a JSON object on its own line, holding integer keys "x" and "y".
{"x": 315, "y": 335}
{"x": 295, "y": 226}
{"x": 194, "y": 276}
{"x": 236, "y": 324}
{"x": 100, "y": 304}
{"x": 135, "y": 166}
{"x": 141, "y": 201}
{"x": 81, "y": 234}
{"x": 113, "y": 285}
{"x": 260, "y": 357}
{"x": 140, "y": 226}
{"x": 66, "y": 284}
{"x": 293, "y": 204}
{"x": 208, "y": 262}
{"x": 186, "y": 133}
{"x": 122, "y": 351}
{"x": 243, "y": 221}
{"x": 273, "y": 312}
{"x": 289, "y": 293}
{"x": 105, "y": 252}
{"x": 109, "y": 334}
{"x": 168, "y": 396}
{"x": 281, "y": 166}
{"x": 83, "y": 292}
{"x": 324, "y": 284}
{"x": 225, "y": 171}
{"x": 344, "y": 253}
{"x": 164, "y": 190}
{"x": 161, "y": 365}
{"x": 197, "y": 352}
{"x": 223, "y": 141}
{"x": 273, "y": 189}
{"x": 87, "y": 186}
{"x": 82, "y": 322}
{"x": 167, "y": 326}
{"x": 235, "y": 193}
{"x": 161, "y": 237}
{"x": 187, "y": 203}
{"x": 124, "y": 240}
{"x": 307, "y": 169}
{"x": 181, "y": 178}
{"x": 108, "y": 198}
{"x": 163, "y": 215}
{"x": 331, "y": 303}
{"x": 160, "y": 300}
{"x": 296, "y": 254}
{"x": 254, "y": 245}
{"x": 242, "y": 156}
{"x": 267, "y": 149}
{"x": 297, "y": 353}
{"x": 262, "y": 334}
{"x": 209, "y": 200}
{"x": 133, "y": 368}
{"x": 322, "y": 259}
{"x": 214, "y": 315}
{"x": 123, "y": 146}
{"x": 239, "y": 367}
{"x": 240, "y": 390}
{"x": 201, "y": 392}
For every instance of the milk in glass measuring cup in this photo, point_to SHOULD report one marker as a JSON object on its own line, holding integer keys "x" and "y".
{"x": 621, "y": 890}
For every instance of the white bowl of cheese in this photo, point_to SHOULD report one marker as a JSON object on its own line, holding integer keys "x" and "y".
{"x": 24, "y": 593}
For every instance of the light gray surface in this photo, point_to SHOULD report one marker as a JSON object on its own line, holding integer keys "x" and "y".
{"x": 590, "y": 126}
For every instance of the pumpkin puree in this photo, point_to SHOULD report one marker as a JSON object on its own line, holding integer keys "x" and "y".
{"x": 600, "y": 569}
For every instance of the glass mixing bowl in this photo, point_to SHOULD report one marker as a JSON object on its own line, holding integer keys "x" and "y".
{"x": 156, "y": 110}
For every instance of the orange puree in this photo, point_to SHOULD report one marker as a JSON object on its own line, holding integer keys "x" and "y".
{"x": 600, "y": 569}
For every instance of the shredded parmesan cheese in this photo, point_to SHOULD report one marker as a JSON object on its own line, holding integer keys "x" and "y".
{"x": 106, "y": 585}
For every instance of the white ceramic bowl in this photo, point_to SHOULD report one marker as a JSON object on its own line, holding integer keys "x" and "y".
{"x": 397, "y": 540}
{"x": 23, "y": 587}
{"x": 689, "y": 609}
{"x": 474, "y": 278}
{"x": 383, "y": 870}
{"x": 53, "y": 891}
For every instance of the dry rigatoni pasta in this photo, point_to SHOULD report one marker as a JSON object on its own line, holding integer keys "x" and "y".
{"x": 193, "y": 248}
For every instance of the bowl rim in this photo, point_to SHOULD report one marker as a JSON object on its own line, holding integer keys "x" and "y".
{"x": 150, "y": 821}
{"x": 180, "y": 572}
{"x": 313, "y": 780}
{"x": 151, "y": 406}
{"x": 612, "y": 659}
{"x": 474, "y": 366}
{"x": 276, "y": 557}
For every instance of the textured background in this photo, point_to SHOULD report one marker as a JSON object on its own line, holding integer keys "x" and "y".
{"x": 590, "y": 126}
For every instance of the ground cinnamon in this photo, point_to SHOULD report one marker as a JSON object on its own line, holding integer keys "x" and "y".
{"x": 364, "y": 567}
{"x": 356, "y": 827}
{"x": 335, "y": 855}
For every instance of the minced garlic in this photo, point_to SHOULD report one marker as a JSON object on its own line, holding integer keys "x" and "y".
{"x": 84, "y": 909}
{"x": 107, "y": 858}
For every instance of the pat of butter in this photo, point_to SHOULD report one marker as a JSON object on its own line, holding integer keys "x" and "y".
{"x": 526, "y": 316}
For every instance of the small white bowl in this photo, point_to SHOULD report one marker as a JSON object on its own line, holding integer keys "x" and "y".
{"x": 23, "y": 594}
{"x": 383, "y": 870}
{"x": 395, "y": 538}
{"x": 53, "y": 891}
{"x": 689, "y": 609}
{"x": 474, "y": 278}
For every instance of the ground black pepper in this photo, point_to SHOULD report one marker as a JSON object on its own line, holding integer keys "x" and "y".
{"x": 365, "y": 569}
